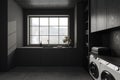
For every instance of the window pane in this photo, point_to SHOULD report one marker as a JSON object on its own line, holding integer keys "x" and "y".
{"x": 34, "y": 22}
{"x": 53, "y": 30}
{"x": 34, "y": 39}
{"x": 61, "y": 40}
{"x": 63, "y": 21}
{"x": 53, "y": 22}
{"x": 63, "y": 31}
{"x": 53, "y": 40}
{"x": 43, "y": 22}
{"x": 48, "y": 28}
{"x": 43, "y": 30}
{"x": 44, "y": 39}
{"x": 34, "y": 30}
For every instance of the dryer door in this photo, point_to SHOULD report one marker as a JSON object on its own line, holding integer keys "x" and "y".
{"x": 107, "y": 76}
{"x": 93, "y": 69}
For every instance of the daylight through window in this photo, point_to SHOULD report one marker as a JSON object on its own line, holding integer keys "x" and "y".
{"x": 47, "y": 29}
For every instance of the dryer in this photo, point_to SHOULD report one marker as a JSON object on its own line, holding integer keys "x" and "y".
{"x": 94, "y": 67}
{"x": 109, "y": 71}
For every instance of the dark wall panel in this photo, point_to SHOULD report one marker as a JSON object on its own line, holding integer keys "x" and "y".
{"x": 3, "y": 35}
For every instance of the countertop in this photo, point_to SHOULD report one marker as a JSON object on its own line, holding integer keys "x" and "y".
{"x": 45, "y": 47}
{"x": 113, "y": 60}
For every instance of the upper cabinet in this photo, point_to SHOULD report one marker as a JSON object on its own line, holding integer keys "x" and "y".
{"x": 101, "y": 14}
{"x": 113, "y": 13}
{"x": 93, "y": 15}
{"x": 105, "y": 14}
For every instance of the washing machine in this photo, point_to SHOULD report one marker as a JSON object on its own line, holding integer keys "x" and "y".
{"x": 94, "y": 67}
{"x": 109, "y": 71}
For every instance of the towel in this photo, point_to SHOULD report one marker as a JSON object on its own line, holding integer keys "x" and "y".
{"x": 97, "y": 49}
{"x": 101, "y": 51}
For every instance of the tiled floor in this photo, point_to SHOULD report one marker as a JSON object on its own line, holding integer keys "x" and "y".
{"x": 45, "y": 73}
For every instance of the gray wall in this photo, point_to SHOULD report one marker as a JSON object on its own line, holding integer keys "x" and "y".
{"x": 15, "y": 29}
{"x": 15, "y": 22}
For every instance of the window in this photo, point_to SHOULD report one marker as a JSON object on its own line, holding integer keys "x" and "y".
{"x": 48, "y": 30}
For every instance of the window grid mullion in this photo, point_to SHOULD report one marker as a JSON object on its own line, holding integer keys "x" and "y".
{"x": 48, "y": 30}
{"x": 58, "y": 31}
{"x": 39, "y": 30}
{"x": 29, "y": 30}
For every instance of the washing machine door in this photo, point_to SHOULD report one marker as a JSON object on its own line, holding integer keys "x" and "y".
{"x": 107, "y": 76}
{"x": 93, "y": 69}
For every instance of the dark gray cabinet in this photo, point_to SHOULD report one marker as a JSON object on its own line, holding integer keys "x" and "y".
{"x": 101, "y": 14}
{"x": 93, "y": 16}
{"x": 105, "y": 14}
{"x": 113, "y": 13}
{"x": 98, "y": 15}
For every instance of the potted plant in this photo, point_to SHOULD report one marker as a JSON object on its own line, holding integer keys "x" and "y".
{"x": 67, "y": 40}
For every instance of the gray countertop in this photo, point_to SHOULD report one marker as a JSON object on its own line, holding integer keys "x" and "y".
{"x": 110, "y": 59}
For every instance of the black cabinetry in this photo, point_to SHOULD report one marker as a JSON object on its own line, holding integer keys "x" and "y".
{"x": 105, "y": 14}
{"x": 86, "y": 35}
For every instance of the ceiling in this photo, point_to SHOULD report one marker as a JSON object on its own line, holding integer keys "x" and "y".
{"x": 47, "y": 3}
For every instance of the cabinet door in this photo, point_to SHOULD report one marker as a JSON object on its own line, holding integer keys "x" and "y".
{"x": 101, "y": 15}
{"x": 113, "y": 13}
{"x": 118, "y": 13}
{"x": 93, "y": 16}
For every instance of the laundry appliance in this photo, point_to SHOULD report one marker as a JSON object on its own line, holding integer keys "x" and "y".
{"x": 94, "y": 67}
{"x": 109, "y": 71}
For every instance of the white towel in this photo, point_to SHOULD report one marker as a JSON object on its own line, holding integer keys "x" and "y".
{"x": 96, "y": 49}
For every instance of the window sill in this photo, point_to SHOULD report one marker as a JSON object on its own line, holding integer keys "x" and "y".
{"x": 45, "y": 47}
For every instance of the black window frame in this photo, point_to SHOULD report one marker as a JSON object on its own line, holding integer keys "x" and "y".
{"x": 48, "y": 16}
